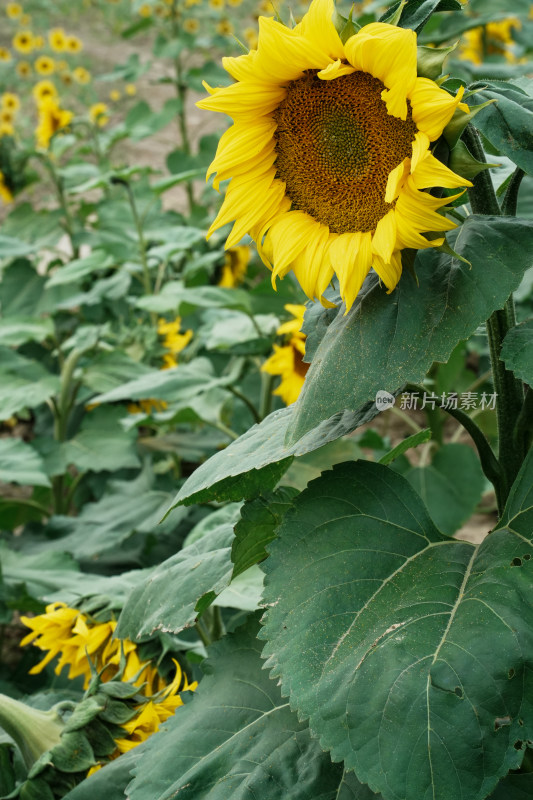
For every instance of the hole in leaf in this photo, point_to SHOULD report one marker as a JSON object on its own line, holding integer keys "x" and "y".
{"x": 518, "y": 744}
{"x": 520, "y": 721}
{"x": 501, "y": 722}
{"x": 511, "y": 673}
{"x": 527, "y": 556}
{"x": 516, "y": 562}
{"x": 459, "y": 692}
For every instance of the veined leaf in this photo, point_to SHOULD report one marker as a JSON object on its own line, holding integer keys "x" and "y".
{"x": 405, "y": 649}
{"x": 238, "y": 738}
{"x": 517, "y": 351}
{"x": 20, "y": 463}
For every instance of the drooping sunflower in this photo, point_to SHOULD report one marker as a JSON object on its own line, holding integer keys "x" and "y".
{"x": 52, "y": 118}
{"x": 329, "y": 153}
{"x": 235, "y": 265}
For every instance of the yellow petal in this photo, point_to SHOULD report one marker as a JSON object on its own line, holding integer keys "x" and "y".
{"x": 242, "y": 142}
{"x": 387, "y": 53}
{"x": 335, "y": 70}
{"x": 244, "y": 101}
{"x": 420, "y": 148}
{"x": 389, "y": 271}
{"x": 242, "y": 198}
{"x": 289, "y": 236}
{"x": 283, "y": 55}
{"x": 395, "y": 180}
{"x": 432, "y": 107}
{"x": 317, "y": 26}
{"x": 432, "y": 172}
{"x": 384, "y": 238}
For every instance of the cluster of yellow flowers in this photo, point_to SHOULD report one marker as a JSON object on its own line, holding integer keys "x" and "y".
{"x": 287, "y": 361}
{"x": 75, "y": 637}
{"x": 51, "y": 116}
{"x": 9, "y": 107}
{"x": 496, "y": 38}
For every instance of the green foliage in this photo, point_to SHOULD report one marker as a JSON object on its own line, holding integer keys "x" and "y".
{"x": 517, "y": 351}
{"x": 405, "y": 619}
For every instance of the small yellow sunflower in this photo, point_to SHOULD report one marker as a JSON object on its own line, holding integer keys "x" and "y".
{"x": 98, "y": 114}
{"x": 57, "y": 40}
{"x": 7, "y": 117}
{"x": 145, "y": 10}
{"x": 24, "y": 69}
{"x": 44, "y": 65}
{"x": 81, "y": 75}
{"x": 329, "y": 151}
{"x": 73, "y": 44}
{"x": 114, "y": 95}
{"x": 6, "y": 129}
{"x": 52, "y": 118}
{"x": 217, "y": 5}
{"x": 235, "y": 266}
{"x": 14, "y": 10}
{"x": 224, "y": 27}
{"x": 44, "y": 90}
{"x": 251, "y": 38}
{"x": 10, "y": 101}
{"x": 191, "y": 25}
{"x": 5, "y": 55}
{"x": 130, "y": 89}
{"x": 23, "y": 41}
{"x": 191, "y": 3}
{"x": 5, "y": 192}
{"x": 287, "y": 360}
{"x": 25, "y": 20}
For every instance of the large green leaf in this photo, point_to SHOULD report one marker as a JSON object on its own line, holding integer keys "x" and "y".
{"x": 255, "y": 462}
{"x": 20, "y": 289}
{"x": 172, "y": 385}
{"x": 420, "y": 324}
{"x": 110, "y": 781}
{"x": 409, "y": 652}
{"x": 257, "y": 527}
{"x": 20, "y": 463}
{"x": 517, "y": 351}
{"x": 238, "y": 739}
{"x": 451, "y": 486}
{"x": 80, "y": 268}
{"x": 182, "y": 586}
{"x": 102, "y": 443}
{"x": 514, "y": 787}
{"x": 15, "y": 331}
{"x": 175, "y": 296}
{"x": 23, "y": 383}
{"x": 507, "y": 123}
{"x": 110, "y": 369}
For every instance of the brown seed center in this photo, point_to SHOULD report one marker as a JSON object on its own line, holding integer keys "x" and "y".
{"x": 336, "y": 147}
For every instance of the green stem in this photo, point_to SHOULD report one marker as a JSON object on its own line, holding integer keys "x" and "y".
{"x": 267, "y": 381}
{"x": 60, "y": 191}
{"x": 510, "y": 201}
{"x": 147, "y": 280}
{"x": 181, "y": 91}
{"x": 523, "y": 433}
{"x": 27, "y": 503}
{"x": 509, "y": 391}
{"x": 482, "y": 195}
{"x": 217, "y": 628}
{"x": 202, "y": 633}
{"x": 248, "y": 403}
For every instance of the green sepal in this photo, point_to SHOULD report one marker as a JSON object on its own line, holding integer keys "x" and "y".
{"x": 408, "y": 263}
{"x": 463, "y": 162}
{"x": 453, "y": 130}
{"x": 446, "y": 248}
{"x": 430, "y": 60}
{"x": 345, "y": 26}
{"x": 396, "y": 13}
{"x": 101, "y": 738}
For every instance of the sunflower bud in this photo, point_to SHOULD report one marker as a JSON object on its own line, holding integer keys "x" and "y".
{"x": 33, "y": 730}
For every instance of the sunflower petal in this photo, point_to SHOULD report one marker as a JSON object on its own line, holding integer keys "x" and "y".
{"x": 317, "y": 26}
{"x": 432, "y": 172}
{"x": 432, "y": 107}
{"x": 384, "y": 238}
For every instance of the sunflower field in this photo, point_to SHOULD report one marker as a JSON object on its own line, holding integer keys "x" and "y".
{"x": 266, "y": 400}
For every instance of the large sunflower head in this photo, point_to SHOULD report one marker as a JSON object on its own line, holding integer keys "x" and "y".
{"x": 329, "y": 151}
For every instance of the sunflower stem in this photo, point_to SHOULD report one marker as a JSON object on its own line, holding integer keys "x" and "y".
{"x": 509, "y": 391}
{"x": 510, "y": 200}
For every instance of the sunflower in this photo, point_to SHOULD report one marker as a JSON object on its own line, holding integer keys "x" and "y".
{"x": 174, "y": 341}
{"x": 6, "y": 129}
{"x": 114, "y": 95}
{"x": 44, "y": 65}
{"x": 495, "y": 38}
{"x": 51, "y": 119}
{"x": 10, "y": 101}
{"x": 23, "y": 41}
{"x": 329, "y": 151}
{"x": 7, "y": 116}
{"x": 43, "y": 90}
{"x": 191, "y": 25}
{"x": 81, "y": 75}
{"x": 5, "y": 55}
{"x": 98, "y": 114}
{"x": 13, "y": 10}
{"x": 24, "y": 69}
{"x": 5, "y": 192}
{"x": 287, "y": 360}
{"x": 235, "y": 266}
{"x": 73, "y": 44}
{"x": 130, "y": 89}
{"x": 224, "y": 27}
{"x": 57, "y": 40}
